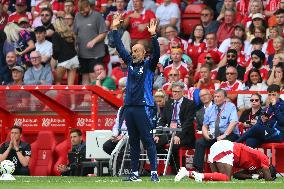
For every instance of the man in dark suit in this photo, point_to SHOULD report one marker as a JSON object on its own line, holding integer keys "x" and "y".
{"x": 178, "y": 112}
{"x": 206, "y": 99}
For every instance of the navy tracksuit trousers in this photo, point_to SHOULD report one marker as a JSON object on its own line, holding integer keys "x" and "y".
{"x": 139, "y": 127}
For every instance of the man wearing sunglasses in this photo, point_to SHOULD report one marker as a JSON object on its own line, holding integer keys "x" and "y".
{"x": 21, "y": 11}
{"x": 270, "y": 128}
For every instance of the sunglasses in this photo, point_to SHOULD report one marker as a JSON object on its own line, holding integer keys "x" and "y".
{"x": 46, "y": 15}
{"x": 205, "y": 15}
{"x": 208, "y": 57}
{"x": 173, "y": 75}
{"x": 230, "y": 73}
{"x": 254, "y": 100}
{"x": 176, "y": 91}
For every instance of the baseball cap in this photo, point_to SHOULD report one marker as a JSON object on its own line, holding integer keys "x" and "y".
{"x": 21, "y": 2}
{"x": 18, "y": 68}
{"x": 23, "y": 19}
{"x": 257, "y": 15}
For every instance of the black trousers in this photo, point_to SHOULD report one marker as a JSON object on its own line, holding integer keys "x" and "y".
{"x": 200, "y": 148}
{"x": 22, "y": 171}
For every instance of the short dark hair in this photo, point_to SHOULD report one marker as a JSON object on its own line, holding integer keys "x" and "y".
{"x": 209, "y": 9}
{"x": 257, "y": 41}
{"x": 279, "y": 11}
{"x": 48, "y": 10}
{"x": 78, "y": 131}
{"x": 273, "y": 88}
{"x": 221, "y": 91}
{"x": 17, "y": 127}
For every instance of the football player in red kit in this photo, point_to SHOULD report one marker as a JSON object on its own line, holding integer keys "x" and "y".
{"x": 226, "y": 155}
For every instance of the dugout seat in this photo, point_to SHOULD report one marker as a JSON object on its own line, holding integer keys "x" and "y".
{"x": 191, "y": 17}
{"x": 42, "y": 154}
{"x": 60, "y": 152}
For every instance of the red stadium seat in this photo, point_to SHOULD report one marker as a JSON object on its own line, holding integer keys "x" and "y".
{"x": 273, "y": 147}
{"x": 42, "y": 154}
{"x": 191, "y": 17}
{"x": 61, "y": 151}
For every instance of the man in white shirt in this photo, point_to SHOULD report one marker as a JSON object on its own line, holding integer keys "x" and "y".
{"x": 42, "y": 45}
{"x": 168, "y": 14}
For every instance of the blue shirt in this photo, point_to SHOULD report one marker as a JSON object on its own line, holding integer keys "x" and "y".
{"x": 228, "y": 115}
{"x": 140, "y": 77}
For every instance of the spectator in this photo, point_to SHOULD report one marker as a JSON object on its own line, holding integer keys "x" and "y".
{"x": 206, "y": 99}
{"x": 178, "y": 112}
{"x": 64, "y": 52}
{"x": 38, "y": 74}
{"x": 164, "y": 45}
{"x": 176, "y": 57}
{"x": 148, "y": 4}
{"x": 276, "y": 76}
{"x": 270, "y": 128}
{"x": 43, "y": 46}
{"x": 257, "y": 62}
{"x": 120, "y": 9}
{"x": 229, "y": 5}
{"x": 255, "y": 6}
{"x": 102, "y": 79}
{"x": 256, "y": 43}
{"x": 90, "y": 40}
{"x": 17, "y": 151}
{"x": 160, "y": 98}
{"x": 210, "y": 25}
{"x": 17, "y": 100}
{"x": 278, "y": 45}
{"x": 137, "y": 21}
{"x": 52, "y": 5}
{"x": 211, "y": 45}
{"x": 173, "y": 76}
{"x": 69, "y": 19}
{"x": 119, "y": 131}
{"x": 76, "y": 156}
{"x": 214, "y": 128}
{"x": 280, "y": 18}
{"x": 119, "y": 71}
{"x": 232, "y": 60}
{"x": 232, "y": 84}
{"x": 46, "y": 21}
{"x": 206, "y": 81}
{"x": 196, "y": 44}
{"x": 21, "y": 40}
{"x": 254, "y": 83}
{"x": 226, "y": 28}
{"x": 11, "y": 61}
{"x": 172, "y": 34}
{"x": 168, "y": 13}
{"x": 258, "y": 21}
{"x": 69, "y": 7}
{"x": 3, "y": 17}
{"x": 260, "y": 32}
{"x": 21, "y": 11}
{"x": 274, "y": 32}
{"x": 250, "y": 116}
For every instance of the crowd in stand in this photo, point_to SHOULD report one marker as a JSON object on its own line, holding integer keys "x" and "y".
{"x": 238, "y": 45}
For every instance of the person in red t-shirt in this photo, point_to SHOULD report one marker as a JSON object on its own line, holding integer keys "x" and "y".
{"x": 226, "y": 155}
{"x": 137, "y": 21}
{"x": 21, "y": 7}
{"x": 120, "y": 9}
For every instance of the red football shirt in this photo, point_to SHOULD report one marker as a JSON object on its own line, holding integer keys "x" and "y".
{"x": 15, "y": 17}
{"x": 263, "y": 72}
{"x": 193, "y": 51}
{"x": 248, "y": 158}
{"x": 182, "y": 68}
{"x": 145, "y": 18}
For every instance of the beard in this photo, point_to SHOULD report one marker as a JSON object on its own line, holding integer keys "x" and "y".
{"x": 136, "y": 60}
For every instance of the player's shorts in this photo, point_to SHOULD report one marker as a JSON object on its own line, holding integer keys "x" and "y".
{"x": 222, "y": 152}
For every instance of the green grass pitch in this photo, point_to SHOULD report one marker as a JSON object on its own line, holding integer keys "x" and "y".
{"x": 116, "y": 183}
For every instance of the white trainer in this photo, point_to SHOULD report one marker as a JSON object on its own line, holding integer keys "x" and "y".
{"x": 198, "y": 177}
{"x": 181, "y": 173}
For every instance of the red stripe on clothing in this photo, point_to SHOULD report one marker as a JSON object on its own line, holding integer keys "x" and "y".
{"x": 221, "y": 155}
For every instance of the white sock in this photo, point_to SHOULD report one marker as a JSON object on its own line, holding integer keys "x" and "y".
{"x": 187, "y": 173}
{"x": 154, "y": 172}
{"x": 135, "y": 173}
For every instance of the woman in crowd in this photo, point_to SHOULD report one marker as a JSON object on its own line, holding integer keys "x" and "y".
{"x": 274, "y": 32}
{"x": 196, "y": 44}
{"x": 160, "y": 100}
{"x": 254, "y": 83}
{"x": 250, "y": 116}
{"x": 276, "y": 75}
{"x": 22, "y": 42}
{"x": 278, "y": 45}
{"x": 64, "y": 52}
